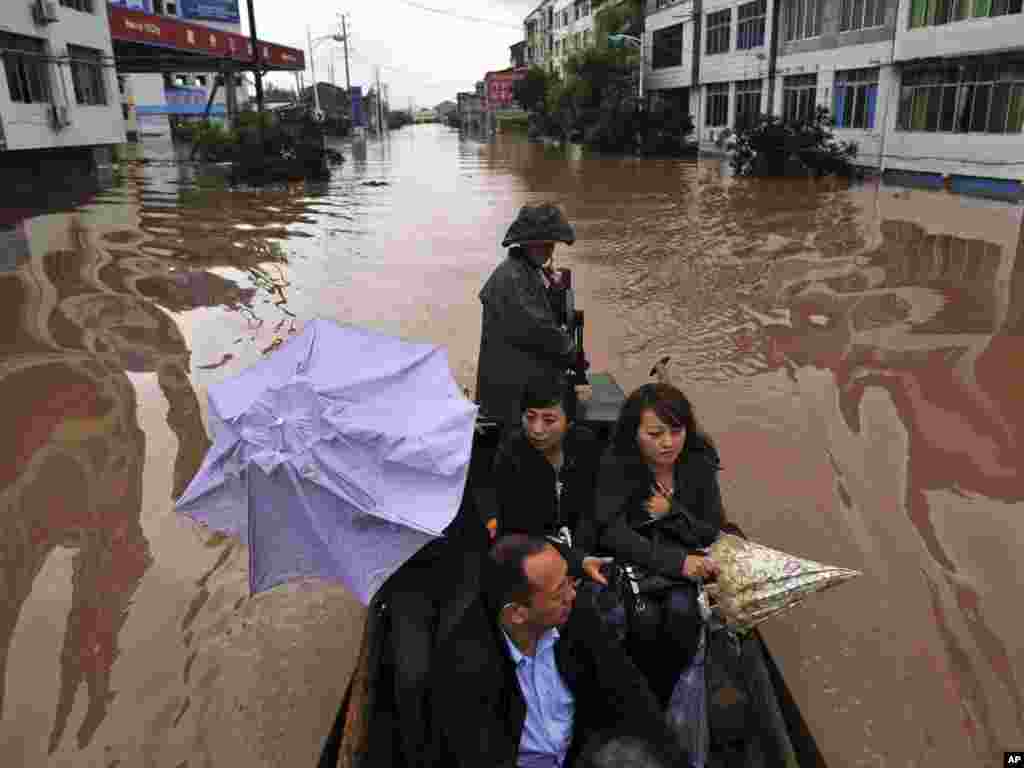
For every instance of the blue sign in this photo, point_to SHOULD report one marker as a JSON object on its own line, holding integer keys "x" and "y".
{"x": 211, "y": 10}
{"x": 134, "y": 5}
{"x": 357, "y": 107}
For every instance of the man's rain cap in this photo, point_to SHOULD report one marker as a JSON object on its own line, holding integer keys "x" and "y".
{"x": 539, "y": 223}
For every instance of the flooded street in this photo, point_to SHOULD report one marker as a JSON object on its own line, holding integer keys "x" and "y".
{"x": 857, "y": 353}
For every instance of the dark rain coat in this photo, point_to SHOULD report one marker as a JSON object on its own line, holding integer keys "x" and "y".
{"x": 519, "y": 338}
{"x": 479, "y": 710}
{"x": 525, "y": 484}
{"x": 621, "y": 527}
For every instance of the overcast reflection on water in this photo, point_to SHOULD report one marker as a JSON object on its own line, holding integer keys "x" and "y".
{"x": 857, "y": 351}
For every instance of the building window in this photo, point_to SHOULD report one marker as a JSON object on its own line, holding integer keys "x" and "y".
{"x": 565, "y": 18}
{"x": 970, "y": 95}
{"x": 799, "y": 94}
{"x": 87, "y": 75}
{"x": 861, "y": 14}
{"x": 126, "y": 111}
{"x": 750, "y": 25}
{"x": 748, "y": 103}
{"x": 85, "y": 6}
{"x": 802, "y": 19}
{"x": 24, "y": 61}
{"x": 668, "y": 47}
{"x": 659, "y": 4}
{"x": 718, "y": 31}
{"x": 718, "y": 105}
{"x": 927, "y": 13}
{"x": 856, "y": 94}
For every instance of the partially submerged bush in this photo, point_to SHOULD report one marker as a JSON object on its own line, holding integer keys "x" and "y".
{"x": 774, "y": 147}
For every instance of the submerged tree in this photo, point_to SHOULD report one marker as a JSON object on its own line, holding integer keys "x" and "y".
{"x": 776, "y": 147}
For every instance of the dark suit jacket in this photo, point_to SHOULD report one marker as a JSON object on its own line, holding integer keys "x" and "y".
{"x": 478, "y": 710}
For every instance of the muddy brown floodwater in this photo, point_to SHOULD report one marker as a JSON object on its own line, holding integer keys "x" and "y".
{"x": 858, "y": 352}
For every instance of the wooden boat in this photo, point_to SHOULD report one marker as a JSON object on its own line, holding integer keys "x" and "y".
{"x": 381, "y": 718}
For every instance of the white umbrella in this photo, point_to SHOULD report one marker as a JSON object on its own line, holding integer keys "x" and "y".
{"x": 338, "y": 456}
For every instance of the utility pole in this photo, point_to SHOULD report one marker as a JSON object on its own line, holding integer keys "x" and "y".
{"x": 258, "y": 68}
{"x": 312, "y": 64}
{"x": 380, "y": 107}
{"x": 348, "y": 81}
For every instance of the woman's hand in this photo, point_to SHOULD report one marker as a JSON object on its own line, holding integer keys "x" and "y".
{"x": 700, "y": 567}
{"x": 658, "y": 505}
{"x": 592, "y": 569}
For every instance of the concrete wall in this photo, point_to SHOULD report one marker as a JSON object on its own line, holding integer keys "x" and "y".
{"x": 670, "y": 77}
{"x": 734, "y": 65}
{"x": 29, "y": 126}
{"x": 832, "y": 38}
{"x": 960, "y": 38}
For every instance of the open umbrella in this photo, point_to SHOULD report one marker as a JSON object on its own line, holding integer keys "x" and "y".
{"x": 338, "y": 456}
{"x": 756, "y": 582}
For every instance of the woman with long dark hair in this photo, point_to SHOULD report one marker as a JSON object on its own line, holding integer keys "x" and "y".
{"x": 658, "y": 506}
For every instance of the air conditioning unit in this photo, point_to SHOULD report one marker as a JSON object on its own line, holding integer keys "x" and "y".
{"x": 44, "y": 12}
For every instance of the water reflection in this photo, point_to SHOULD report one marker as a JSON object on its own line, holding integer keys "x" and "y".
{"x": 77, "y": 318}
{"x": 925, "y": 318}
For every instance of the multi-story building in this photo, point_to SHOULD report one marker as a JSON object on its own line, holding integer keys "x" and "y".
{"x": 58, "y": 89}
{"x": 557, "y": 28}
{"x": 920, "y": 85}
{"x": 670, "y": 57}
{"x": 958, "y": 102}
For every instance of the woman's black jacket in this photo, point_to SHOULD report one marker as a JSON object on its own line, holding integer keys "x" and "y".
{"x": 620, "y": 525}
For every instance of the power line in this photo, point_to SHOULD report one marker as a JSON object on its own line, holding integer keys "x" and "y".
{"x": 464, "y": 17}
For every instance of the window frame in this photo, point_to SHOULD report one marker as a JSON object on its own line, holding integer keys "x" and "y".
{"x": 659, "y": 58}
{"x": 758, "y": 21}
{"x": 795, "y": 91}
{"x": 744, "y": 118}
{"x": 960, "y": 86}
{"x": 87, "y": 63}
{"x": 850, "y": 89}
{"x": 713, "y": 27}
{"x": 82, "y": 6}
{"x": 716, "y": 91}
{"x": 796, "y": 16}
{"x": 926, "y": 13}
{"x": 871, "y": 12}
{"x": 26, "y": 64}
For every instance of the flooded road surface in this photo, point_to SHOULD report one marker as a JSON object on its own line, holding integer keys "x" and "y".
{"x": 858, "y": 353}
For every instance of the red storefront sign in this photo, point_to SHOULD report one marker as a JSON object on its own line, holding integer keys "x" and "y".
{"x": 138, "y": 27}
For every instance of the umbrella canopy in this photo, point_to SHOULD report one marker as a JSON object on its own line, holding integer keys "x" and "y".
{"x": 756, "y": 582}
{"x": 338, "y": 456}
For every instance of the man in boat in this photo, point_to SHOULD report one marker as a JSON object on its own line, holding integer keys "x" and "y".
{"x": 530, "y": 676}
{"x": 521, "y": 337}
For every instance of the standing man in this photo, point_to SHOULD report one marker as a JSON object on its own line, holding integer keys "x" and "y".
{"x": 520, "y": 337}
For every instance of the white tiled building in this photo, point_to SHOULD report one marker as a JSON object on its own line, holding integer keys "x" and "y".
{"x": 557, "y": 28}
{"x": 58, "y": 89}
{"x": 917, "y": 86}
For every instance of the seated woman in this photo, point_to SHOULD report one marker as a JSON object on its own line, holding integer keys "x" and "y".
{"x": 545, "y": 471}
{"x": 658, "y": 505}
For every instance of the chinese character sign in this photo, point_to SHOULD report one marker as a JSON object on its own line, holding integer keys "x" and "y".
{"x": 211, "y": 10}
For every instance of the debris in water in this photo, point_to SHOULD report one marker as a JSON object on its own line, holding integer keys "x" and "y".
{"x": 227, "y": 356}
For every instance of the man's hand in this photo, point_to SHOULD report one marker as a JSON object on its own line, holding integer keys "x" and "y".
{"x": 592, "y": 568}
{"x": 584, "y": 392}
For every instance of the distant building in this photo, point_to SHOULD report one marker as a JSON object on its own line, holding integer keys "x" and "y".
{"x": 445, "y": 108}
{"x": 471, "y": 110}
{"x": 919, "y": 85}
{"x": 498, "y": 87}
{"x": 517, "y": 54}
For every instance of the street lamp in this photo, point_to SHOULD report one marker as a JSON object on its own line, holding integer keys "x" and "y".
{"x": 639, "y": 41}
{"x": 312, "y": 62}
